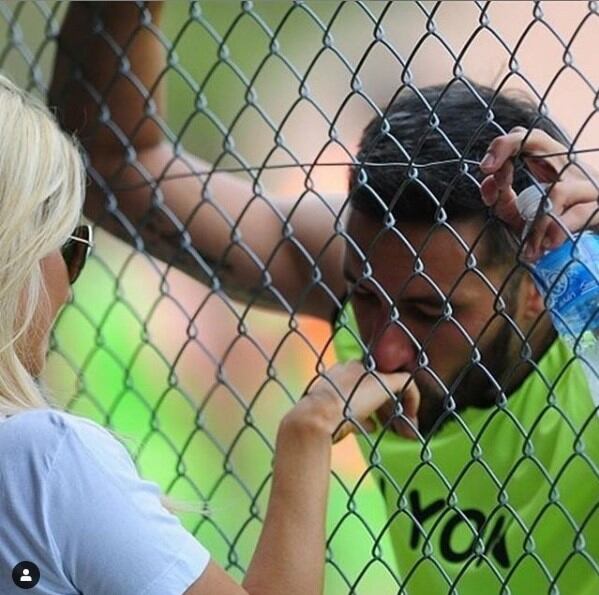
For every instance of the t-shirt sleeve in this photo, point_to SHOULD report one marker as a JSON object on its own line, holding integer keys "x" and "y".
{"x": 111, "y": 531}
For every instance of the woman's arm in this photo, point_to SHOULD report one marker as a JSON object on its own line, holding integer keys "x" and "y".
{"x": 115, "y": 105}
{"x": 289, "y": 558}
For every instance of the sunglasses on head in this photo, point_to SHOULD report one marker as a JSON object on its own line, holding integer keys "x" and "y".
{"x": 76, "y": 250}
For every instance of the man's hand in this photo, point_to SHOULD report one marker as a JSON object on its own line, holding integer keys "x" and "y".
{"x": 573, "y": 188}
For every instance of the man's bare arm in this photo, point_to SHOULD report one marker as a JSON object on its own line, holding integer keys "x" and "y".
{"x": 197, "y": 223}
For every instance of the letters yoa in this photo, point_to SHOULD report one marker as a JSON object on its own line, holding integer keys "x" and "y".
{"x": 493, "y": 537}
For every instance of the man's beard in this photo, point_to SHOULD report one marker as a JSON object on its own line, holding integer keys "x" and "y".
{"x": 477, "y": 385}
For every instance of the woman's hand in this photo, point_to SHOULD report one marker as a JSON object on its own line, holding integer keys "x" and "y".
{"x": 573, "y": 188}
{"x": 343, "y": 399}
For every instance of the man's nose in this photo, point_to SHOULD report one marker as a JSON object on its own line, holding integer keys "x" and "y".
{"x": 393, "y": 349}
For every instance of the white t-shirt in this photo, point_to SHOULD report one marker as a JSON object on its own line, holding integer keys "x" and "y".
{"x": 72, "y": 502}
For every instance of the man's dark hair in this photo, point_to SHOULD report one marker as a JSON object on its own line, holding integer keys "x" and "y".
{"x": 435, "y": 124}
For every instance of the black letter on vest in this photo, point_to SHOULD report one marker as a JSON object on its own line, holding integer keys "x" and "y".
{"x": 477, "y": 518}
{"x": 422, "y": 514}
{"x": 497, "y": 544}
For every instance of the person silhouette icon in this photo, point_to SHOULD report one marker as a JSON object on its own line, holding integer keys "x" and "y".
{"x": 25, "y": 575}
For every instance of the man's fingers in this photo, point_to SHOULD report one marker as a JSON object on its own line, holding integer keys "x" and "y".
{"x": 504, "y": 176}
{"x": 574, "y": 196}
{"x": 581, "y": 216}
{"x": 536, "y": 240}
{"x": 489, "y": 191}
{"x": 570, "y": 192}
{"x": 529, "y": 143}
{"x": 547, "y": 231}
{"x": 542, "y": 169}
{"x": 503, "y": 203}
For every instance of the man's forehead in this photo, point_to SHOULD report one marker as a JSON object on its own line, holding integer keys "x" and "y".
{"x": 443, "y": 252}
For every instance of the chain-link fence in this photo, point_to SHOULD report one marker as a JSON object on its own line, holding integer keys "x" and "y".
{"x": 190, "y": 339}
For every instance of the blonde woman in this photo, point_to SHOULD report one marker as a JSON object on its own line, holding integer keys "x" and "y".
{"x": 76, "y": 516}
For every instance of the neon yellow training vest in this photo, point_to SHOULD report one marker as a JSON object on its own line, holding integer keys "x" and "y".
{"x": 508, "y": 497}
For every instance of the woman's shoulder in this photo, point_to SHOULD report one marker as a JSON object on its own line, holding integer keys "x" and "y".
{"x": 45, "y": 422}
{"x": 38, "y": 434}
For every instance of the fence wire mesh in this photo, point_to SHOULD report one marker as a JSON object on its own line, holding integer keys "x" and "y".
{"x": 190, "y": 337}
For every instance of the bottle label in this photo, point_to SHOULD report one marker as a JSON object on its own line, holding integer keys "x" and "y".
{"x": 568, "y": 277}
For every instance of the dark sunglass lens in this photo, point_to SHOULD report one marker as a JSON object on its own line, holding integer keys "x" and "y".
{"x": 83, "y": 232}
{"x": 75, "y": 253}
{"x": 69, "y": 256}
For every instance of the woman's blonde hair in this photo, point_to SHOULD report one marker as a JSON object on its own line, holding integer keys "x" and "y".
{"x": 42, "y": 186}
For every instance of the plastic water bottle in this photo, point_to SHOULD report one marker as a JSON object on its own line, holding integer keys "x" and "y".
{"x": 568, "y": 278}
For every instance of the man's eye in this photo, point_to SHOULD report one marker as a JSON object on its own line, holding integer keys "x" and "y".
{"x": 416, "y": 313}
{"x": 359, "y": 291}
{"x": 429, "y": 316}
{"x": 361, "y": 294}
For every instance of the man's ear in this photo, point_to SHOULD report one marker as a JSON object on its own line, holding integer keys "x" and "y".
{"x": 532, "y": 303}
